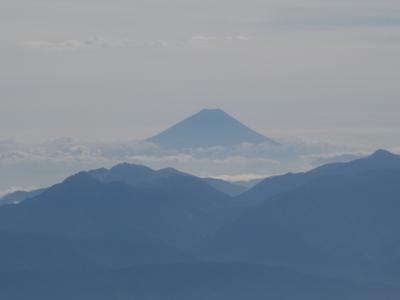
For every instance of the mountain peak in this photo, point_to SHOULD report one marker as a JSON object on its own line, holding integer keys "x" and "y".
{"x": 121, "y": 167}
{"x": 208, "y": 128}
{"x": 382, "y": 153}
{"x": 212, "y": 110}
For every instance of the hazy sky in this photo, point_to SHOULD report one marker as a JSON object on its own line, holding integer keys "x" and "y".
{"x": 122, "y": 69}
{"x": 95, "y": 70}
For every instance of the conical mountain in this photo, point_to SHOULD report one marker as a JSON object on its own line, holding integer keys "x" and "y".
{"x": 208, "y": 128}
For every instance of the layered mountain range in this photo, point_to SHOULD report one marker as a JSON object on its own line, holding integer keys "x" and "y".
{"x": 132, "y": 232}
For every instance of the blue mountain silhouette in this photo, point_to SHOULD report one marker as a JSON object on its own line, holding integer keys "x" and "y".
{"x": 133, "y": 232}
{"x": 337, "y": 220}
{"x": 269, "y": 187}
{"x": 208, "y": 128}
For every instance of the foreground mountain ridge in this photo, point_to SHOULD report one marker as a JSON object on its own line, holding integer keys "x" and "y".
{"x": 272, "y": 186}
{"x": 130, "y": 224}
{"x": 134, "y": 175}
{"x": 339, "y": 219}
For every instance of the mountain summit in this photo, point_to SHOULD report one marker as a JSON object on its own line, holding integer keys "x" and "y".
{"x": 208, "y": 128}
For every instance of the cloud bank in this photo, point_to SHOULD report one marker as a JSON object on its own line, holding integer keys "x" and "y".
{"x": 42, "y": 164}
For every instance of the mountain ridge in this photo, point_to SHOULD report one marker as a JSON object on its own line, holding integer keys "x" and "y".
{"x": 342, "y": 224}
{"x": 316, "y": 234}
{"x": 272, "y": 186}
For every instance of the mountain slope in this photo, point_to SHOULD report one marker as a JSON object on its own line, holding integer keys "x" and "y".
{"x": 113, "y": 223}
{"x": 194, "y": 281}
{"x": 80, "y": 224}
{"x": 270, "y": 187}
{"x": 19, "y": 196}
{"x": 198, "y": 203}
{"x": 134, "y": 175}
{"x": 226, "y": 187}
{"x": 341, "y": 224}
{"x": 208, "y": 128}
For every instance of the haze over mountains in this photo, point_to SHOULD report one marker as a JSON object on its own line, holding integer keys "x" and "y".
{"x": 330, "y": 233}
{"x": 211, "y": 143}
{"x": 199, "y": 150}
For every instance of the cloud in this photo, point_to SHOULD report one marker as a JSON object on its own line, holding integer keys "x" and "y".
{"x": 352, "y": 21}
{"x": 203, "y": 38}
{"x": 43, "y": 164}
{"x": 72, "y": 45}
{"x": 75, "y": 45}
{"x": 242, "y": 177}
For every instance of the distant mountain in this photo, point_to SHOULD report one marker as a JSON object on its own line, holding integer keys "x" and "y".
{"x": 343, "y": 221}
{"x": 270, "y": 187}
{"x": 19, "y": 196}
{"x": 208, "y": 128}
{"x": 248, "y": 184}
{"x": 226, "y": 187}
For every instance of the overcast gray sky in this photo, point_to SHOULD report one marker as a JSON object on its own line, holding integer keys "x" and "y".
{"x": 320, "y": 76}
{"x": 121, "y": 69}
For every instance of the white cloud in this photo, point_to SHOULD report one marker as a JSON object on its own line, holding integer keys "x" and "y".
{"x": 75, "y": 45}
{"x": 43, "y": 164}
{"x": 203, "y": 38}
{"x": 99, "y": 42}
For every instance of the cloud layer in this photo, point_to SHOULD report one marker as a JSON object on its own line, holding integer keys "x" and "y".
{"x": 75, "y": 45}
{"x": 43, "y": 164}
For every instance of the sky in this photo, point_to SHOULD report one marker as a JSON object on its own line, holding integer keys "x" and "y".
{"x": 121, "y": 70}
{"x": 127, "y": 69}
